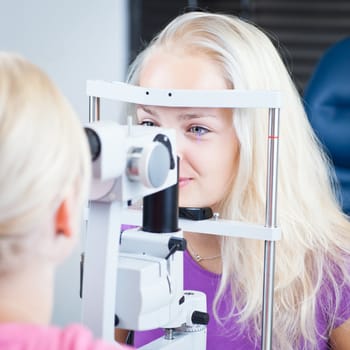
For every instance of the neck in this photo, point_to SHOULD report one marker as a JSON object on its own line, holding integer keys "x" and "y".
{"x": 26, "y": 295}
{"x": 206, "y": 246}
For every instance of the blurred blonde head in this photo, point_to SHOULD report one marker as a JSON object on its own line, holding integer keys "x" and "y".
{"x": 315, "y": 232}
{"x": 44, "y": 161}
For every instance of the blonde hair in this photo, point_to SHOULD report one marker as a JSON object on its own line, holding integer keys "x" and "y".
{"x": 315, "y": 233}
{"x": 44, "y": 157}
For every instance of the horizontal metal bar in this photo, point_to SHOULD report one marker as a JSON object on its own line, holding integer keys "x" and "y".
{"x": 213, "y": 226}
{"x": 183, "y": 98}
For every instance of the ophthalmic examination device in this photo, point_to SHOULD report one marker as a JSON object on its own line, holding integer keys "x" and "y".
{"x": 135, "y": 278}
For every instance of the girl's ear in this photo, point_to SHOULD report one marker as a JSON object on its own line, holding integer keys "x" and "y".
{"x": 63, "y": 221}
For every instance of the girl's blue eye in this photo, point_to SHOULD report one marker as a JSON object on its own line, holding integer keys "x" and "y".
{"x": 147, "y": 123}
{"x": 198, "y": 130}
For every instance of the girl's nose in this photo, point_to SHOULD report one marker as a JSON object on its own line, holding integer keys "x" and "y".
{"x": 180, "y": 144}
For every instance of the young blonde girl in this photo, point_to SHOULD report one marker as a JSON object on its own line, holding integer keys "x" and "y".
{"x": 312, "y": 282}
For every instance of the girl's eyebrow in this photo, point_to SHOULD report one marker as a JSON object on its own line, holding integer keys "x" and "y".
{"x": 185, "y": 116}
{"x": 190, "y": 116}
{"x": 147, "y": 110}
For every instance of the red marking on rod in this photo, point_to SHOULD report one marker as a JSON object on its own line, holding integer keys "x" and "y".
{"x": 273, "y": 137}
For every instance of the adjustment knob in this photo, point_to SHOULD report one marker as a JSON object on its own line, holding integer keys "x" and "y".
{"x": 199, "y": 317}
{"x": 150, "y": 165}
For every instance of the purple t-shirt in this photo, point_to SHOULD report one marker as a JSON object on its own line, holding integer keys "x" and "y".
{"x": 231, "y": 335}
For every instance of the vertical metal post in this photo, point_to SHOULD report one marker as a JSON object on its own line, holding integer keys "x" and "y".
{"x": 100, "y": 268}
{"x": 94, "y": 109}
{"x": 270, "y": 221}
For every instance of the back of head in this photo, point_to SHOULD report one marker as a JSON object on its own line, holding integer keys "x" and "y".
{"x": 327, "y": 101}
{"x": 44, "y": 157}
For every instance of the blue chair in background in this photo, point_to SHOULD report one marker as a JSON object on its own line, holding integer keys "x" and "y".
{"x": 327, "y": 103}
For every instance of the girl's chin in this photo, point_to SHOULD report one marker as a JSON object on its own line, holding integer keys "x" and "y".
{"x": 188, "y": 203}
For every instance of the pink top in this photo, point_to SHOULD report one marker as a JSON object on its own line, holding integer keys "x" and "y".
{"x": 16, "y": 336}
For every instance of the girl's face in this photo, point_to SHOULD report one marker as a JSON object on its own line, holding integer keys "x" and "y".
{"x": 205, "y": 138}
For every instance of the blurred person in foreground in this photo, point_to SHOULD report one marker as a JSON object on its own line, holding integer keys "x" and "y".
{"x": 44, "y": 179}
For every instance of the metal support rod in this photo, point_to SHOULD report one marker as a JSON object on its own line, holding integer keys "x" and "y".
{"x": 94, "y": 109}
{"x": 270, "y": 221}
{"x": 100, "y": 268}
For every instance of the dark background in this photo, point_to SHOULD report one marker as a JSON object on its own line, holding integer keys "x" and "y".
{"x": 302, "y": 29}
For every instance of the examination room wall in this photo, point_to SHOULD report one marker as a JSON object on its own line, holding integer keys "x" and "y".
{"x": 72, "y": 41}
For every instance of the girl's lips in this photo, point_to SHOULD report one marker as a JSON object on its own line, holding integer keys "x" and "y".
{"x": 183, "y": 181}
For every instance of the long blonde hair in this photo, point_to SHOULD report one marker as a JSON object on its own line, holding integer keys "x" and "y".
{"x": 44, "y": 156}
{"x": 315, "y": 241}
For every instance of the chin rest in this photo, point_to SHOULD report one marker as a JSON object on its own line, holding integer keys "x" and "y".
{"x": 327, "y": 103}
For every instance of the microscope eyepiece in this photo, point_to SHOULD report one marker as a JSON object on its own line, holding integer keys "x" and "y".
{"x": 94, "y": 143}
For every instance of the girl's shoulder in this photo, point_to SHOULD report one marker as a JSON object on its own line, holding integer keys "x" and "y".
{"x": 333, "y": 300}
